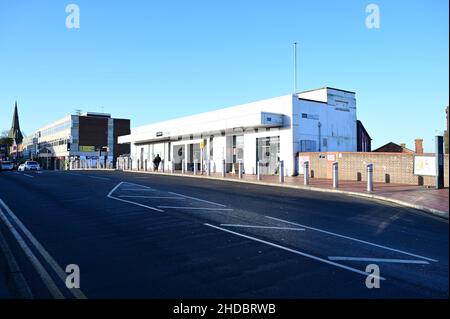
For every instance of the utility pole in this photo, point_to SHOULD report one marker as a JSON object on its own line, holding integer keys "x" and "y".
{"x": 295, "y": 67}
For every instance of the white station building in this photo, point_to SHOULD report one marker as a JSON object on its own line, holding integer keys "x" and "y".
{"x": 266, "y": 131}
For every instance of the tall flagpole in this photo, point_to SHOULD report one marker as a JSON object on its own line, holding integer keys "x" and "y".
{"x": 295, "y": 67}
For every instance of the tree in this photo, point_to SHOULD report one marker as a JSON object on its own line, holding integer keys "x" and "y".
{"x": 5, "y": 140}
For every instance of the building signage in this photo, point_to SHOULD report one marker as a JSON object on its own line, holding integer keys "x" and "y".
{"x": 425, "y": 165}
{"x": 83, "y": 148}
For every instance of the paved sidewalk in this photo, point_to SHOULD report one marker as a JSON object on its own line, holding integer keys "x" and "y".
{"x": 427, "y": 199}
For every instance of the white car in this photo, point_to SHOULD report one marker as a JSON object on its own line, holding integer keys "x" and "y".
{"x": 6, "y": 166}
{"x": 29, "y": 166}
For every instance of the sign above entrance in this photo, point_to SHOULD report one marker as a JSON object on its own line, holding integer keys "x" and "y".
{"x": 84, "y": 148}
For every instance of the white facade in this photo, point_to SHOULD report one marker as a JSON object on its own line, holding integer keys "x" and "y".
{"x": 266, "y": 131}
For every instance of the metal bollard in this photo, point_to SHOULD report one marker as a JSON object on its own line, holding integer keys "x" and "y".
{"x": 172, "y": 169}
{"x": 138, "y": 165}
{"x": 146, "y": 164}
{"x": 224, "y": 168}
{"x": 195, "y": 167}
{"x": 183, "y": 168}
{"x": 240, "y": 169}
{"x": 370, "y": 177}
{"x": 281, "y": 173}
{"x": 306, "y": 173}
{"x": 335, "y": 175}
{"x": 258, "y": 171}
{"x": 208, "y": 168}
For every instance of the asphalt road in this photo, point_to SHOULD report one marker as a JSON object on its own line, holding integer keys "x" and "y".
{"x": 150, "y": 236}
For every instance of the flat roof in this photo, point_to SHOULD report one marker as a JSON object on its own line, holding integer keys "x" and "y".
{"x": 328, "y": 88}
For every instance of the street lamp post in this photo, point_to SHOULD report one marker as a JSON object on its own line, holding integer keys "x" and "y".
{"x": 100, "y": 154}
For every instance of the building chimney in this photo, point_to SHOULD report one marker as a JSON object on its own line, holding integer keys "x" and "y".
{"x": 403, "y": 145}
{"x": 419, "y": 145}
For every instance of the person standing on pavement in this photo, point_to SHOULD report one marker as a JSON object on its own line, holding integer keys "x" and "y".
{"x": 156, "y": 162}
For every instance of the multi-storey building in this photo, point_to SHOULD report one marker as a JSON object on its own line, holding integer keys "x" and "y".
{"x": 77, "y": 138}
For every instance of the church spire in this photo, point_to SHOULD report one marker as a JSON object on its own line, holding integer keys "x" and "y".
{"x": 15, "y": 132}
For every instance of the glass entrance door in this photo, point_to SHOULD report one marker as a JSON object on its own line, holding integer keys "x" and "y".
{"x": 177, "y": 156}
{"x": 194, "y": 155}
{"x": 268, "y": 154}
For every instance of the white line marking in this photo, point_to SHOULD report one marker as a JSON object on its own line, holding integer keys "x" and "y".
{"x": 354, "y": 239}
{"x": 263, "y": 227}
{"x": 16, "y": 272}
{"x": 380, "y": 260}
{"x": 74, "y": 174}
{"x": 133, "y": 188}
{"x": 102, "y": 178}
{"x": 196, "y": 208}
{"x": 48, "y": 258}
{"x": 138, "y": 190}
{"x": 294, "y": 251}
{"x": 176, "y": 194}
{"x": 114, "y": 189}
{"x": 28, "y": 175}
{"x": 46, "y": 278}
{"x": 198, "y": 199}
{"x": 151, "y": 197}
{"x": 138, "y": 185}
{"x": 137, "y": 204}
{"x": 129, "y": 202}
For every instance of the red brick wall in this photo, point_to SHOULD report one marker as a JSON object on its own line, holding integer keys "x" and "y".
{"x": 388, "y": 167}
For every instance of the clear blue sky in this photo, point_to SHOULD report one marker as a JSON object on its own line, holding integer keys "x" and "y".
{"x": 156, "y": 60}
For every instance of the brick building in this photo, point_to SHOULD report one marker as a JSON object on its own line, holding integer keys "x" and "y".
{"x": 393, "y": 148}
{"x": 363, "y": 139}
